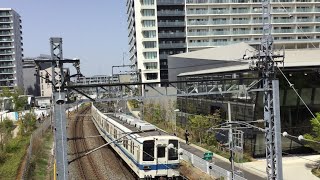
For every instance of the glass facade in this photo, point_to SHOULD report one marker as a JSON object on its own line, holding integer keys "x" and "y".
{"x": 295, "y": 117}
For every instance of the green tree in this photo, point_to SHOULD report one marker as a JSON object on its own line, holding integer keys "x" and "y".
{"x": 29, "y": 122}
{"x": 315, "y": 134}
{"x": 6, "y": 126}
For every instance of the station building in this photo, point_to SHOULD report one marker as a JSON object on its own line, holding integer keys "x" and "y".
{"x": 301, "y": 67}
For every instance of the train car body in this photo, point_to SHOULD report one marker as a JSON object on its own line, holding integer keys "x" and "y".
{"x": 149, "y": 154}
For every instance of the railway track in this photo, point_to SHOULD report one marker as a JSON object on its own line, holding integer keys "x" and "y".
{"x": 102, "y": 164}
{"x": 86, "y": 164}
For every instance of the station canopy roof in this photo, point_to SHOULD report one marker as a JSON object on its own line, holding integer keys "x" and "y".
{"x": 234, "y": 53}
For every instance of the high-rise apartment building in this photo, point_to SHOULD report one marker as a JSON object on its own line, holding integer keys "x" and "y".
{"x": 11, "y": 73}
{"x": 158, "y": 28}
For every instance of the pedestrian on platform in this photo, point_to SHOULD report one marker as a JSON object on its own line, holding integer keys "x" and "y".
{"x": 186, "y": 135}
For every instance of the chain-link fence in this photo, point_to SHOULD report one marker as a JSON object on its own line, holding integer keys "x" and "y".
{"x": 208, "y": 167}
{"x": 38, "y": 133}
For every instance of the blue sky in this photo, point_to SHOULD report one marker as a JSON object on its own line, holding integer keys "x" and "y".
{"x": 92, "y": 30}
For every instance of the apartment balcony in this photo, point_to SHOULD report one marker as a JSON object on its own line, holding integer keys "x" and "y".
{"x": 6, "y": 27}
{"x": 197, "y": 12}
{"x": 6, "y": 33}
{"x": 6, "y": 71}
{"x": 281, "y": 21}
{"x": 7, "y": 78}
{"x": 305, "y": 20}
{"x": 221, "y": 32}
{"x": 305, "y": 30}
{"x": 170, "y": 13}
{"x": 171, "y": 24}
{"x": 281, "y": 10}
{"x": 198, "y": 22}
{"x": 240, "y": 21}
{"x": 171, "y": 45}
{"x": 205, "y": 44}
{"x": 242, "y": 32}
{"x": 172, "y": 35}
{"x": 5, "y": 14}
{"x": 6, "y": 40}
{"x": 6, "y": 46}
{"x": 170, "y": 2}
{"x": 6, "y": 52}
{"x": 6, "y": 21}
{"x": 200, "y": 33}
{"x": 7, "y": 65}
{"x": 256, "y": 21}
{"x": 220, "y": 22}
{"x": 225, "y": 11}
{"x": 257, "y": 32}
{"x": 6, "y": 59}
{"x": 283, "y": 31}
{"x": 240, "y": 11}
{"x": 304, "y": 10}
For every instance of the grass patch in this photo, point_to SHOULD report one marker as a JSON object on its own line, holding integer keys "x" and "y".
{"x": 40, "y": 159}
{"x": 316, "y": 172}
{"x": 13, "y": 156}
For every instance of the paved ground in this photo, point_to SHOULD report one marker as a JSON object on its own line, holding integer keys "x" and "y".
{"x": 294, "y": 168}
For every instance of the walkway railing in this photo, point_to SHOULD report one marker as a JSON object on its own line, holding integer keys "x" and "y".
{"x": 207, "y": 167}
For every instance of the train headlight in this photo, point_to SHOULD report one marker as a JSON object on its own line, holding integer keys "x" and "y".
{"x": 180, "y": 151}
{"x": 170, "y": 146}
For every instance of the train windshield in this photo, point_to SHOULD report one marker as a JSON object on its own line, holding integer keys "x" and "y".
{"x": 148, "y": 150}
{"x": 173, "y": 152}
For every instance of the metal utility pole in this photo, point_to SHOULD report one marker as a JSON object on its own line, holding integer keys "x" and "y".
{"x": 231, "y": 143}
{"x": 59, "y": 96}
{"x": 266, "y": 64}
{"x": 59, "y": 80}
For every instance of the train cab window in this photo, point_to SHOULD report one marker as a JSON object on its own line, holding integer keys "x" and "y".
{"x": 173, "y": 152}
{"x": 161, "y": 152}
{"x": 148, "y": 150}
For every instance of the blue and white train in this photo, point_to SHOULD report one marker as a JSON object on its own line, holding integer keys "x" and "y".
{"x": 151, "y": 154}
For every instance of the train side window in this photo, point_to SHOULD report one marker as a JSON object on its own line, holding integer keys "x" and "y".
{"x": 107, "y": 127}
{"x": 115, "y": 133}
{"x": 132, "y": 147}
{"x": 125, "y": 142}
{"x": 148, "y": 150}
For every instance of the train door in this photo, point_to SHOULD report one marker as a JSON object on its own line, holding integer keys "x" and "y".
{"x": 161, "y": 158}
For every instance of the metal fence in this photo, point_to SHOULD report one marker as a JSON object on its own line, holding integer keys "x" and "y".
{"x": 39, "y": 132}
{"x": 208, "y": 167}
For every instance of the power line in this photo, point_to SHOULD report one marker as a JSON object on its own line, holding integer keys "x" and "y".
{"x": 294, "y": 89}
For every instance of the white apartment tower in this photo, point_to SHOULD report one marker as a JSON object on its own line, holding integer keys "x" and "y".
{"x": 11, "y": 73}
{"x": 158, "y": 28}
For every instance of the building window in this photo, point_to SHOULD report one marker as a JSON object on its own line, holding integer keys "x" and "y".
{"x": 152, "y": 76}
{"x": 152, "y": 65}
{"x": 150, "y": 55}
{"x": 150, "y": 44}
{"x": 148, "y": 23}
{"x": 147, "y": 2}
{"x": 149, "y": 34}
{"x": 148, "y": 12}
